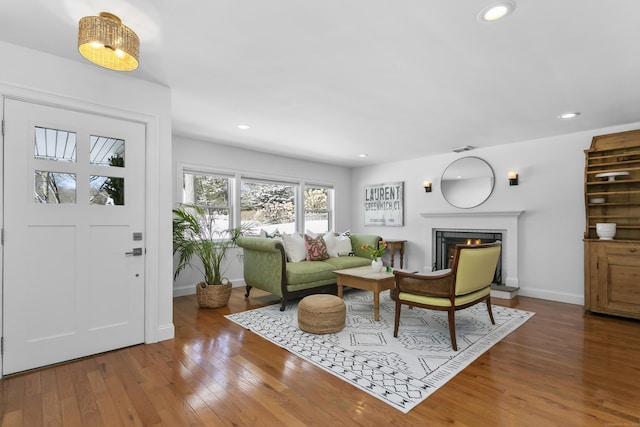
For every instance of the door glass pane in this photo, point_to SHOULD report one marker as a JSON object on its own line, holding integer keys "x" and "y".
{"x": 105, "y": 151}
{"x": 106, "y": 190}
{"x": 54, "y": 187}
{"x": 54, "y": 144}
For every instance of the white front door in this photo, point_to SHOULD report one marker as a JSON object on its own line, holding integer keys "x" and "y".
{"x": 74, "y": 212}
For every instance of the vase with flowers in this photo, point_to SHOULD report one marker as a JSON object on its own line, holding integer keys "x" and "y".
{"x": 375, "y": 253}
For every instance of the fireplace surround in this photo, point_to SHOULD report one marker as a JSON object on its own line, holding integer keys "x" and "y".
{"x": 503, "y": 222}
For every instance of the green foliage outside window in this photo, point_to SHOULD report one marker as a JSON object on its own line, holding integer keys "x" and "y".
{"x": 115, "y": 186}
{"x": 265, "y": 203}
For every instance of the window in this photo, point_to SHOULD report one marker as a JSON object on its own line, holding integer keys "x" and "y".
{"x": 53, "y": 147}
{"x": 106, "y": 190}
{"x": 257, "y": 203}
{"x": 317, "y": 208}
{"x": 54, "y": 187}
{"x": 212, "y": 193}
{"x": 54, "y": 144}
{"x": 105, "y": 151}
{"x": 268, "y": 205}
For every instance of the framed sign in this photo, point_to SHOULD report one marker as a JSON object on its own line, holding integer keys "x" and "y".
{"x": 384, "y": 204}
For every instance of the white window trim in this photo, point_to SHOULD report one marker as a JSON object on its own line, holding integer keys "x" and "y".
{"x": 330, "y": 201}
{"x": 237, "y": 176}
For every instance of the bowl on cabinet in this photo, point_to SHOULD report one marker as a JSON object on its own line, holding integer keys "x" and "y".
{"x": 606, "y": 230}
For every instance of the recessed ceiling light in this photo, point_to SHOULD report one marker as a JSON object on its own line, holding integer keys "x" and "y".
{"x": 496, "y": 11}
{"x": 244, "y": 127}
{"x": 571, "y": 115}
{"x": 363, "y": 155}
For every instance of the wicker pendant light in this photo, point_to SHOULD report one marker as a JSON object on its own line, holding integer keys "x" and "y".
{"x": 104, "y": 41}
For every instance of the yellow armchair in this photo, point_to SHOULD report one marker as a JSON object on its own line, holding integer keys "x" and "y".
{"x": 467, "y": 283}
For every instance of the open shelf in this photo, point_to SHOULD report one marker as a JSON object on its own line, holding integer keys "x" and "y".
{"x": 613, "y": 153}
{"x": 612, "y": 266}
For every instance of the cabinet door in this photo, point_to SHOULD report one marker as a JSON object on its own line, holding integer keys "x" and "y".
{"x": 619, "y": 284}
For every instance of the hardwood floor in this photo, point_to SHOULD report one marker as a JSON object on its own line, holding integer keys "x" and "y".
{"x": 561, "y": 368}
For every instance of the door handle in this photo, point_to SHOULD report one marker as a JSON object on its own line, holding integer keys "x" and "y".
{"x": 135, "y": 252}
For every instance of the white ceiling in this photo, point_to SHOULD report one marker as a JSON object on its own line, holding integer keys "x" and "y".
{"x": 329, "y": 80}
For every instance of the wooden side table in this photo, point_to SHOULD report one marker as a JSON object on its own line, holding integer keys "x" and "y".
{"x": 396, "y": 245}
{"x": 365, "y": 278}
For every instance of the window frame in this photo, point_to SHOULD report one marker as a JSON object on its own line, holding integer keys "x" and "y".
{"x": 234, "y": 198}
{"x": 330, "y": 204}
{"x": 297, "y": 185}
{"x": 197, "y": 171}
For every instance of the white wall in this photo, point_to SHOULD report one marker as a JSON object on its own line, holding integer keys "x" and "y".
{"x": 224, "y": 158}
{"x": 39, "y": 77}
{"x": 550, "y": 191}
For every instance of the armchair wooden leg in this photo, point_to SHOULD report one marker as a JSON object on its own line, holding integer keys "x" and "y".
{"x": 283, "y": 304}
{"x": 452, "y": 328}
{"x": 397, "y": 322}
{"x": 493, "y": 322}
{"x": 248, "y": 287}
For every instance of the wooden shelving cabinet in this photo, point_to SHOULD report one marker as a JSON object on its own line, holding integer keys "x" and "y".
{"x": 612, "y": 267}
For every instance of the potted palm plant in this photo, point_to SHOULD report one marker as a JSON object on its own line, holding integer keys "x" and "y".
{"x": 195, "y": 237}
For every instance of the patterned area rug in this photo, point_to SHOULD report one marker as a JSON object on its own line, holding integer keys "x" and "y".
{"x": 399, "y": 371}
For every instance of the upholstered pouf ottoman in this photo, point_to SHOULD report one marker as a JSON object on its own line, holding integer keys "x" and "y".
{"x": 321, "y": 314}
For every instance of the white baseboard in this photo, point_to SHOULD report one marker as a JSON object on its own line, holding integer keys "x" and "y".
{"x": 166, "y": 332}
{"x": 181, "y": 291}
{"x": 184, "y": 290}
{"x": 553, "y": 296}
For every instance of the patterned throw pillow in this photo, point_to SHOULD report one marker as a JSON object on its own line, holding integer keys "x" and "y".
{"x": 274, "y": 235}
{"x": 316, "y": 248}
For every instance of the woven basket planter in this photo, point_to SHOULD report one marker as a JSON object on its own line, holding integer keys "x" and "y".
{"x": 213, "y": 296}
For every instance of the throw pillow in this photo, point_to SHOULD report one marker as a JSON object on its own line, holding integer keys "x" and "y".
{"x": 265, "y": 233}
{"x": 294, "y": 247}
{"x": 343, "y": 245}
{"x": 316, "y": 248}
{"x": 330, "y": 239}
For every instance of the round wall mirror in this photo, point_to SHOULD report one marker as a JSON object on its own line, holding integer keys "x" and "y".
{"x": 467, "y": 182}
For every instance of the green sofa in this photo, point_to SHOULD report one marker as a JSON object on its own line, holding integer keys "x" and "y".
{"x": 266, "y": 267}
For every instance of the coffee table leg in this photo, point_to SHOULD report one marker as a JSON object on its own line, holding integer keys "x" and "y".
{"x": 339, "y": 284}
{"x": 376, "y": 305}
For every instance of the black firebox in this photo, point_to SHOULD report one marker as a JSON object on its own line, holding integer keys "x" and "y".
{"x": 446, "y": 241}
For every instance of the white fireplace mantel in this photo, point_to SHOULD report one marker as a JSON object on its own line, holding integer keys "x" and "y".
{"x": 505, "y": 222}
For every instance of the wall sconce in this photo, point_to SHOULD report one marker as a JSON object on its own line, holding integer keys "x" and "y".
{"x": 427, "y": 186}
{"x": 104, "y": 41}
{"x": 513, "y": 178}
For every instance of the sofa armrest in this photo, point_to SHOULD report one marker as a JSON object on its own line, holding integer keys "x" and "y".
{"x": 357, "y": 240}
{"x": 264, "y": 263}
{"x": 259, "y": 243}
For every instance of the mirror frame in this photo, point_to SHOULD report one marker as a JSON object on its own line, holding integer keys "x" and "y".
{"x": 474, "y": 189}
